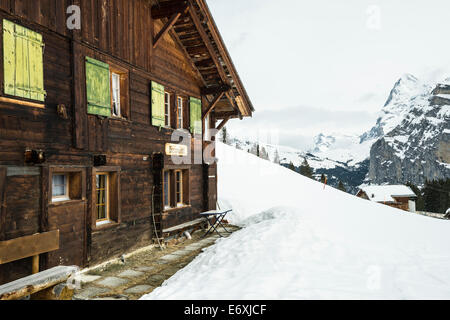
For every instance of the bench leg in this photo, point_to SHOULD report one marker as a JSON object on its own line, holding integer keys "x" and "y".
{"x": 58, "y": 292}
{"x": 35, "y": 266}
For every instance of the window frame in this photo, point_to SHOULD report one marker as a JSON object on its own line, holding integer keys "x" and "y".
{"x": 174, "y": 204}
{"x": 107, "y": 198}
{"x": 75, "y": 181}
{"x": 169, "y": 198}
{"x": 124, "y": 89}
{"x": 180, "y": 115}
{"x": 66, "y": 195}
{"x": 179, "y": 190}
{"x": 113, "y": 196}
{"x": 112, "y": 76}
{"x": 167, "y": 109}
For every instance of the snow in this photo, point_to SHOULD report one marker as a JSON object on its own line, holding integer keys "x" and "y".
{"x": 386, "y": 193}
{"x": 303, "y": 241}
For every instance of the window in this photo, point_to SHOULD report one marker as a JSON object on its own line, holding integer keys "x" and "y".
{"x": 167, "y": 109}
{"x": 180, "y": 109}
{"x": 195, "y": 106}
{"x": 102, "y": 203}
{"x": 66, "y": 184}
{"x": 179, "y": 188}
{"x": 60, "y": 187}
{"x": 105, "y": 196}
{"x": 176, "y": 189}
{"x": 115, "y": 88}
{"x": 107, "y": 89}
{"x": 23, "y": 62}
{"x": 167, "y": 190}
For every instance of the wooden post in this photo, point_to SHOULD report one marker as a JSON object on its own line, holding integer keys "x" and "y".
{"x": 35, "y": 266}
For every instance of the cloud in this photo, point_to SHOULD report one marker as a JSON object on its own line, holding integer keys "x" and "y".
{"x": 297, "y": 126}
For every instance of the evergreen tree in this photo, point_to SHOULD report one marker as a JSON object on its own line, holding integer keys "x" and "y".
{"x": 276, "y": 157}
{"x": 436, "y": 195}
{"x": 292, "y": 167}
{"x": 341, "y": 186}
{"x": 224, "y": 135}
{"x": 306, "y": 170}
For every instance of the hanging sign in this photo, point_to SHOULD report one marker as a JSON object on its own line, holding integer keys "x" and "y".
{"x": 178, "y": 150}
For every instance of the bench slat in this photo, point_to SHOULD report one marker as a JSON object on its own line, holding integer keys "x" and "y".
{"x": 36, "y": 282}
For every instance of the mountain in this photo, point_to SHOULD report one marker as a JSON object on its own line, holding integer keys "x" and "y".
{"x": 413, "y": 134}
{"x": 410, "y": 142}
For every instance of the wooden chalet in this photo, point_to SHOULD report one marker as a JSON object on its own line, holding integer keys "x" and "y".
{"x": 86, "y": 119}
{"x": 396, "y": 196}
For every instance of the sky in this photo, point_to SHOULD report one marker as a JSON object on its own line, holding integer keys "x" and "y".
{"x": 328, "y": 66}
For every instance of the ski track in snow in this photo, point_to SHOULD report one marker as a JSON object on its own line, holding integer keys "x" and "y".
{"x": 301, "y": 241}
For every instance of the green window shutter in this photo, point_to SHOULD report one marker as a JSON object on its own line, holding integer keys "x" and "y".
{"x": 158, "y": 105}
{"x": 23, "y": 62}
{"x": 9, "y": 57}
{"x": 98, "y": 89}
{"x": 35, "y": 49}
{"x": 196, "y": 116}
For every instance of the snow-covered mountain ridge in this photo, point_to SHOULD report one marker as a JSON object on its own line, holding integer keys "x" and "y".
{"x": 410, "y": 141}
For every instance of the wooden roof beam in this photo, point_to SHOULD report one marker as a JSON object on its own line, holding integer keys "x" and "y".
{"x": 207, "y": 42}
{"x": 223, "y": 123}
{"x": 166, "y": 28}
{"x": 213, "y": 104}
{"x": 215, "y": 90}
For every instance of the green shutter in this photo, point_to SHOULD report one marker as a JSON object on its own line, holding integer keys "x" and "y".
{"x": 9, "y": 57}
{"x": 23, "y": 62}
{"x": 98, "y": 89}
{"x": 35, "y": 45}
{"x": 158, "y": 105}
{"x": 196, "y": 116}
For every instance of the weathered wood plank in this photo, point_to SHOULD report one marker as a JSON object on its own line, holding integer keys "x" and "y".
{"x": 17, "y": 249}
{"x": 35, "y": 283}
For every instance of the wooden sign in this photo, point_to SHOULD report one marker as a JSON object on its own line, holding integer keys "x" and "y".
{"x": 176, "y": 150}
{"x": 21, "y": 248}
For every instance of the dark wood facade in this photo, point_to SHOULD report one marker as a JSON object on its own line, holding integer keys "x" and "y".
{"x": 175, "y": 43}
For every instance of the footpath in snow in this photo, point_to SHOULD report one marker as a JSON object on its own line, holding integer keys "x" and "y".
{"x": 301, "y": 241}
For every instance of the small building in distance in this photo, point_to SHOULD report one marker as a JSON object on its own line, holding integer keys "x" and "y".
{"x": 397, "y": 196}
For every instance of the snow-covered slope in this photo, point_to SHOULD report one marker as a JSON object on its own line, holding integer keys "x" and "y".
{"x": 301, "y": 241}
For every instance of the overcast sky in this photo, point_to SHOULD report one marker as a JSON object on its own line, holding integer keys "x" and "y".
{"x": 329, "y": 65}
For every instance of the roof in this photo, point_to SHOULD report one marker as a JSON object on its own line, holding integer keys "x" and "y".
{"x": 197, "y": 33}
{"x": 387, "y": 193}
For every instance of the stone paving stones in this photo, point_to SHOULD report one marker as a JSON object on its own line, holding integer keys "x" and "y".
{"x": 130, "y": 274}
{"x": 86, "y": 278}
{"x": 145, "y": 269}
{"x": 125, "y": 284}
{"x": 169, "y": 271}
{"x": 89, "y": 292}
{"x": 169, "y": 257}
{"x": 156, "y": 278}
{"x": 112, "y": 282}
{"x": 182, "y": 252}
{"x": 139, "y": 289}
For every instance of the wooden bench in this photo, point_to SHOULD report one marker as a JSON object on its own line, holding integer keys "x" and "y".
{"x": 46, "y": 285}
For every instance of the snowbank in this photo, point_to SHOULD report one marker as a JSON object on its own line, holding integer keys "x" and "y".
{"x": 301, "y": 241}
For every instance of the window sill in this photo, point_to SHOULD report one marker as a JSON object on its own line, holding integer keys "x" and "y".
{"x": 65, "y": 202}
{"x": 26, "y": 103}
{"x": 167, "y": 210}
{"x": 104, "y": 225}
{"x": 120, "y": 119}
